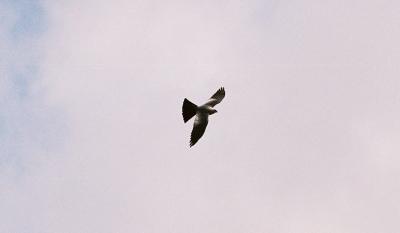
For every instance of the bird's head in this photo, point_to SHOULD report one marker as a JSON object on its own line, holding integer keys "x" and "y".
{"x": 213, "y": 111}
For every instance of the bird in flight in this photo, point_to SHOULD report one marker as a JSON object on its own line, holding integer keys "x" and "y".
{"x": 202, "y": 112}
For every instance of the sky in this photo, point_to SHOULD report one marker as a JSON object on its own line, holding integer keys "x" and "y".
{"x": 306, "y": 140}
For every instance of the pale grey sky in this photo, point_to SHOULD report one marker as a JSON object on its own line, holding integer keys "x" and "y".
{"x": 305, "y": 141}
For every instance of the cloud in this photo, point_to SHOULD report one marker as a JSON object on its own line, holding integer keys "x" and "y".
{"x": 30, "y": 129}
{"x": 305, "y": 140}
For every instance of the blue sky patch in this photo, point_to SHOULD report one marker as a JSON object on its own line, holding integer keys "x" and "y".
{"x": 30, "y": 18}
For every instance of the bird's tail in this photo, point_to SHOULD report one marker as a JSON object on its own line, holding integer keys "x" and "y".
{"x": 188, "y": 110}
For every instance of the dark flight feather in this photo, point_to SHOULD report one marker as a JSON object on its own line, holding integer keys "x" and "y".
{"x": 199, "y": 127}
{"x": 189, "y": 109}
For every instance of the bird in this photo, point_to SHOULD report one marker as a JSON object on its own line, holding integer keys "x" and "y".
{"x": 202, "y": 112}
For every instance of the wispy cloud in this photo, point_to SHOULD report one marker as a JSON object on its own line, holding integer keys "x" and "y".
{"x": 30, "y": 128}
{"x": 25, "y": 118}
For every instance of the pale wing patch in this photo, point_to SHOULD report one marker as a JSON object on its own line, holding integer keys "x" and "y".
{"x": 217, "y": 97}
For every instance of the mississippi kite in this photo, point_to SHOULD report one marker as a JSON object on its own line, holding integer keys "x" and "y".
{"x": 202, "y": 112}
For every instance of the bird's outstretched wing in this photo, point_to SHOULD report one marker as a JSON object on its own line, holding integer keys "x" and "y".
{"x": 216, "y": 98}
{"x": 199, "y": 127}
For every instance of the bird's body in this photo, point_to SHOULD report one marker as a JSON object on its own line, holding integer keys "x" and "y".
{"x": 202, "y": 112}
{"x": 206, "y": 109}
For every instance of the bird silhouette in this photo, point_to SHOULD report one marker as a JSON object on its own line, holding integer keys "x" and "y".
{"x": 202, "y": 112}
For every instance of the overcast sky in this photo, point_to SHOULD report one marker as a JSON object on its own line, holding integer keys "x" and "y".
{"x": 306, "y": 140}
